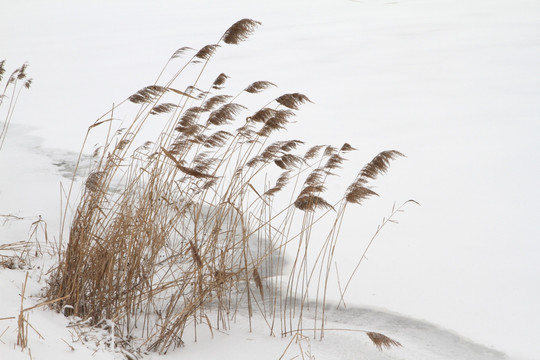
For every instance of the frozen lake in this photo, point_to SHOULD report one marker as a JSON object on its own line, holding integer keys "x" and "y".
{"x": 455, "y": 86}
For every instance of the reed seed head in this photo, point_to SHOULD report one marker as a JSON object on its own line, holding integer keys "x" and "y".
{"x": 346, "y": 147}
{"x": 311, "y": 202}
{"x": 147, "y": 94}
{"x": 258, "y": 86}
{"x": 163, "y": 108}
{"x": 357, "y": 193}
{"x": 2, "y": 68}
{"x": 220, "y": 80}
{"x": 277, "y": 122}
{"x": 262, "y": 115}
{"x": 94, "y": 180}
{"x": 240, "y": 31}
{"x": 334, "y": 162}
{"x": 287, "y": 161}
{"x": 178, "y": 53}
{"x": 190, "y": 116}
{"x": 281, "y": 182}
{"x": 214, "y": 101}
{"x": 217, "y": 139}
{"x": 381, "y": 340}
{"x": 22, "y": 71}
{"x": 225, "y": 114}
{"x": 292, "y": 101}
{"x": 206, "y": 51}
{"x": 313, "y": 152}
{"x": 380, "y": 164}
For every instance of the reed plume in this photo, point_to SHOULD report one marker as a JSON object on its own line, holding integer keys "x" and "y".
{"x": 311, "y": 202}
{"x": 180, "y": 52}
{"x": 379, "y": 165}
{"x": 163, "y": 108}
{"x": 381, "y": 340}
{"x": 358, "y": 190}
{"x": 262, "y": 115}
{"x": 220, "y": 80}
{"x": 147, "y": 94}
{"x": 225, "y": 114}
{"x": 2, "y": 69}
{"x": 287, "y": 161}
{"x": 347, "y": 147}
{"x": 292, "y": 101}
{"x": 278, "y": 121}
{"x": 313, "y": 152}
{"x": 206, "y": 51}
{"x": 281, "y": 182}
{"x": 240, "y": 31}
{"x": 258, "y": 86}
{"x": 214, "y": 101}
{"x": 12, "y": 89}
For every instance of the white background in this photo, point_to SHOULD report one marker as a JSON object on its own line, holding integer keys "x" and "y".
{"x": 454, "y": 85}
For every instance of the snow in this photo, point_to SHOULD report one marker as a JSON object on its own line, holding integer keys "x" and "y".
{"x": 454, "y": 85}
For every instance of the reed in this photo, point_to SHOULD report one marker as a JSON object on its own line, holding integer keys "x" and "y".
{"x": 17, "y": 81}
{"x": 185, "y": 230}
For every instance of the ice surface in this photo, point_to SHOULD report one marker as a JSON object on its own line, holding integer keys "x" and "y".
{"x": 453, "y": 85}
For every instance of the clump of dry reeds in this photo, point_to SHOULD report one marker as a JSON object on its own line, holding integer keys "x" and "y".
{"x": 183, "y": 230}
{"x": 17, "y": 81}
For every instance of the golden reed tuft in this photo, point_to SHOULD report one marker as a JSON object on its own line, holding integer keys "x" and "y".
{"x": 174, "y": 231}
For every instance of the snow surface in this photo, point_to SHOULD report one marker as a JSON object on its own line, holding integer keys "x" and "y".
{"x": 454, "y": 85}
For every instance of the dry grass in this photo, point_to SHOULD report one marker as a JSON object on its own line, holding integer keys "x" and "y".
{"x": 184, "y": 230}
{"x": 19, "y": 255}
{"x": 17, "y": 81}
{"x": 22, "y": 320}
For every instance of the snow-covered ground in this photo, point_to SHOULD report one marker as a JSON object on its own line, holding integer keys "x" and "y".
{"x": 454, "y": 85}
